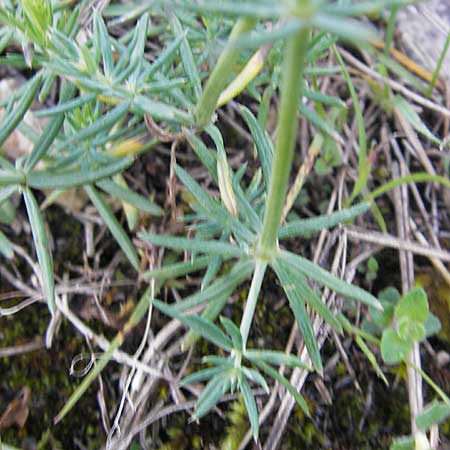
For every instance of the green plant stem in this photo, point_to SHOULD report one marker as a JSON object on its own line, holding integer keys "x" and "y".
{"x": 219, "y": 76}
{"x": 8, "y": 177}
{"x": 390, "y": 30}
{"x": 433, "y": 385}
{"x": 437, "y": 70}
{"x": 252, "y": 298}
{"x": 291, "y": 89}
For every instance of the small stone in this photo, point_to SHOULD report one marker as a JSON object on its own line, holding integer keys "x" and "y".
{"x": 423, "y": 30}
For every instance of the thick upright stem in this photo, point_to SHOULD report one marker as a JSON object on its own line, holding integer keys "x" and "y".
{"x": 291, "y": 89}
{"x": 252, "y": 298}
{"x": 219, "y": 76}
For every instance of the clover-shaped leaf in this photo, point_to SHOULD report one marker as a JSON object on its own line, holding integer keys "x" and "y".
{"x": 403, "y": 443}
{"x": 432, "y": 325}
{"x": 410, "y": 330}
{"x": 413, "y": 305}
{"x": 394, "y": 349}
{"x": 434, "y": 413}
{"x": 389, "y": 298}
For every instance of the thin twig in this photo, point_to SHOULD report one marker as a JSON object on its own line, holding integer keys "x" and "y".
{"x": 387, "y": 240}
{"x": 37, "y": 344}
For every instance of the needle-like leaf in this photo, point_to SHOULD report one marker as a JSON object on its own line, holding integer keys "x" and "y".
{"x": 42, "y": 247}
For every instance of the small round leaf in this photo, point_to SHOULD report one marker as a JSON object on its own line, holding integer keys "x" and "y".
{"x": 393, "y": 349}
{"x": 414, "y": 305}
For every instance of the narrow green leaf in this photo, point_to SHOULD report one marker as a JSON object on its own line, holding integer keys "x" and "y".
{"x": 201, "y": 375}
{"x": 187, "y": 57}
{"x": 363, "y": 164}
{"x": 304, "y": 227}
{"x": 301, "y": 315}
{"x": 433, "y": 414}
{"x": 326, "y": 278}
{"x": 205, "y": 155}
{"x": 128, "y": 196}
{"x": 281, "y": 379}
{"x": 276, "y": 358}
{"x": 324, "y": 99}
{"x": 205, "y": 202}
{"x": 438, "y": 66}
{"x": 176, "y": 270}
{"x": 215, "y": 210}
{"x": 400, "y": 72}
{"x": 42, "y": 247}
{"x": 46, "y": 179}
{"x": 253, "y": 40}
{"x": 156, "y": 87}
{"x": 103, "y": 40}
{"x": 211, "y": 395}
{"x": 200, "y": 195}
{"x": 351, "y": 329}
{"x": 261, "y": 10}
{"x": 8, "y": 177}
{"x": 114, "y": 226}
{"x": 432, "y": 384}
{"x": 214, "y": 265}
{"x": 7, "y": 191}
{"x": 240, "y": 272}
{"x": 404, "y": 108}
{"x": 322, "y": 71}
{"x": 320, "y": 123}
{"x": 371, "y": 357}
{"x": 250, "y": 406}
{"x": 256, "y": 377}
{"x": 161, "y": 111}
{"x": 362, "y": 8}
{"x": 66, "y": 106}
{"x": 137, "y": 57}
{"x": 218, "y": 361}
{"x": 13, "y": 118}
{"x": 347, "y": 29}
{"x": 105, "y": 123}
{"x": 5, "y": 246}
{"x": 193, "y": 245}
{"x": 50, "y": 132}
{"x": 419, "y": 177}
{"x": 164, "y": 58}
{"x": 233, "y": 332}
{"x": 6, "y": 164}
{"x": 49, "y": 81}
{"x": 263, "y": 143}
{"x": 199, "y": 325}
{"x": 211, "y": 312}
{"x": 312, "y": 299}
{"x": 7, "y": 212}
{"x": 246, "y": 211}
{"x": 224, "y": 172}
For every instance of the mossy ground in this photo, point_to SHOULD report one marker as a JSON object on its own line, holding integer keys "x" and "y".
{"x": 45, "y": 372}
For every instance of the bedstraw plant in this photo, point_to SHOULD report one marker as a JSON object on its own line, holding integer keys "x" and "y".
{"x": 106, "y": 87}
